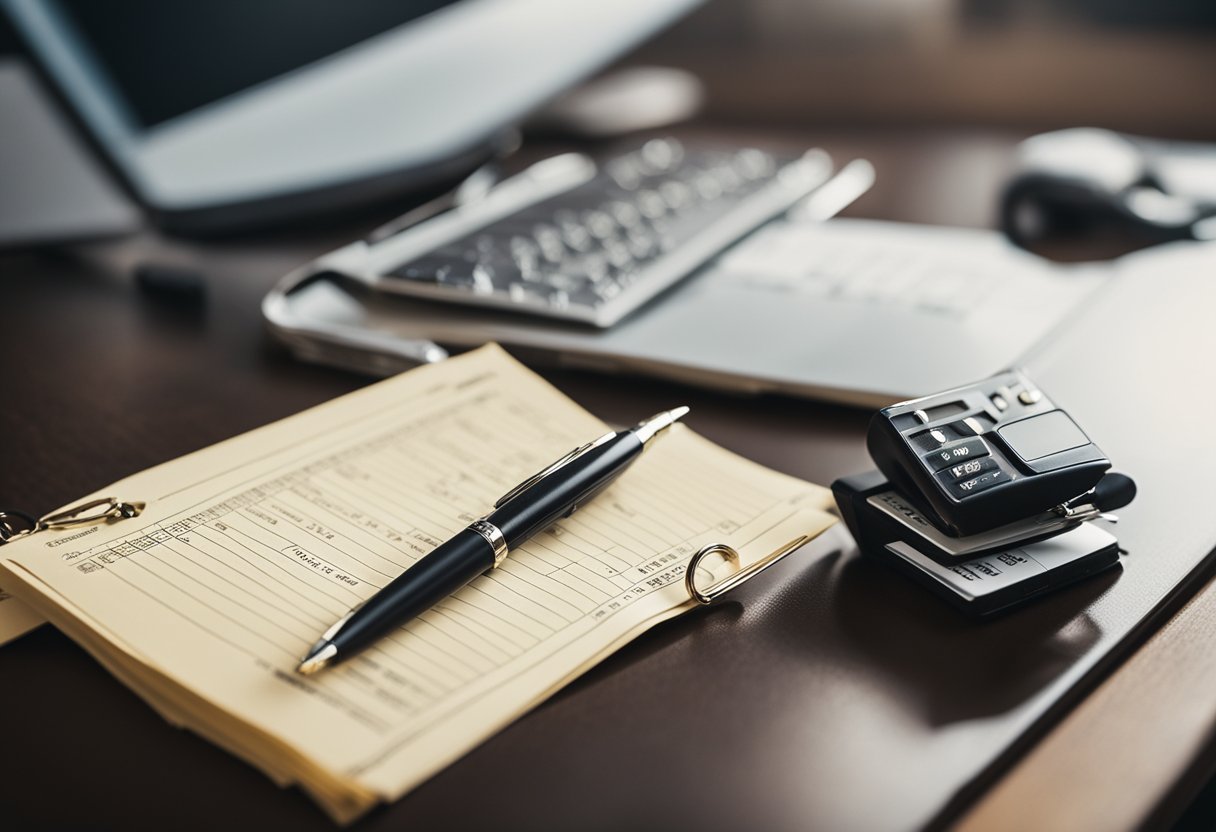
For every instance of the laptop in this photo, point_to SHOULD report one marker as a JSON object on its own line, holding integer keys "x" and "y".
{"x": 219, "y": 117}
{"x": 853, "y": 311}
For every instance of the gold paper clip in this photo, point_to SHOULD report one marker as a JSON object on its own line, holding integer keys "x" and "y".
{"x": 717, "y": 590}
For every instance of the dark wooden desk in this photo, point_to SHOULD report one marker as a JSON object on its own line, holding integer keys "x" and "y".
{"x": 710, "y": 721}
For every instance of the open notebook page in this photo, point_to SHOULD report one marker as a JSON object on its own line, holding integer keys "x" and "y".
{"x": 249, "y": 549}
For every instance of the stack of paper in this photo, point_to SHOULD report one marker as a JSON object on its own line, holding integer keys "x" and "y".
{"x": 249, "y": 549}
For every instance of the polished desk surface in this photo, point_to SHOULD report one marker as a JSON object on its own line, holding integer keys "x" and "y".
{"x": 714, "y": 720}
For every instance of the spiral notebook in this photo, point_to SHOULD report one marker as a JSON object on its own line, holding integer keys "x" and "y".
{"x": 242, "y": 553}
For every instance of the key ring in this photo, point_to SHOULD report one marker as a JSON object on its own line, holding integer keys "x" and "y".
{"x": 8, "y": 531}
{"x": 717, "y": 590}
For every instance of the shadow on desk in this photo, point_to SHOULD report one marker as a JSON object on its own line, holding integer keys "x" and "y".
{"x": 950, "y": 667}
{"x": 955, "y": 667}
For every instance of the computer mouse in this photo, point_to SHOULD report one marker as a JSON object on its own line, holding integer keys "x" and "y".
{"x": 1088, "y": 182}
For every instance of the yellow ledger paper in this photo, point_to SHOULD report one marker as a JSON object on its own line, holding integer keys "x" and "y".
{"x": 15, "y": 618}
{"x": 249, "y": 549}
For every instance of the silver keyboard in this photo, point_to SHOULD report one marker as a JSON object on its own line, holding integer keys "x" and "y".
{"x": 588, "y": 242}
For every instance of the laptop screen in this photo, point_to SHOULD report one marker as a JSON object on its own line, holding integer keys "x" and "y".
{"x": 166, "y": 59}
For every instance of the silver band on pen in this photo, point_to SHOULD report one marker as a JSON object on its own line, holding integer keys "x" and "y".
{"x": 493, "y": 536}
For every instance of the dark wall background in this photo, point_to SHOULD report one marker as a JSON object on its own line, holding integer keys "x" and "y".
{"x": 1147, "y": 67}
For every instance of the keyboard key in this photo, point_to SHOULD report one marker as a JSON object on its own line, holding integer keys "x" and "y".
{"x": 660, "y": 155}
{"x": 605, "y": 240}
{"x": 626, "y": 214}
{"x": 549, "y": 239}
{"x": 651, "y": 205}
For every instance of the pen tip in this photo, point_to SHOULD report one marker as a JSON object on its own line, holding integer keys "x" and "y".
{"x": 658, "y": 423}
{"x": 318, "y": 658}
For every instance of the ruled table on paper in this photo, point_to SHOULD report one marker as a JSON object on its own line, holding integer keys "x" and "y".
{"x": 250, "y": 549}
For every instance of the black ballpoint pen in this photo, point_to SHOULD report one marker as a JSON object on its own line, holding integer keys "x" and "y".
{"x": 530, "y": 507}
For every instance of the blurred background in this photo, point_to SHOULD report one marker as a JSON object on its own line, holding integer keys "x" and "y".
{"x": 842, "y": 73}
{"x": 1147, "y": 67}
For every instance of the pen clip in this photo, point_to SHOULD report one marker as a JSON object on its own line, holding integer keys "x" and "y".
{"x": 713, "y": 592}
{"x": 546, "y": 471}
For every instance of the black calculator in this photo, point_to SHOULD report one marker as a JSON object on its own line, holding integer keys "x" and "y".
{"x": 985, "y": 455}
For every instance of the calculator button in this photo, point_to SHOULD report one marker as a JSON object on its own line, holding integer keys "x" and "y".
{"x": 963, "y": 429}
{"x": 955, "y": 452}
{"x": 967, "y": 427}
{"x": 971, "y": 468}
{"x": 971, "y": 426}
{"x": 975, "y": 424}
{"x": 961, "y": 489}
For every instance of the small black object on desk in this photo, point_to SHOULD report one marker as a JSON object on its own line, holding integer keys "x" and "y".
{"x": 178, "y": 285}
{"x": 985, "y": 494}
